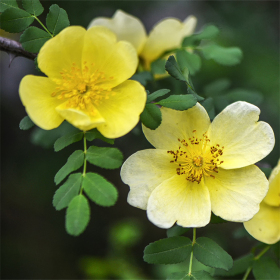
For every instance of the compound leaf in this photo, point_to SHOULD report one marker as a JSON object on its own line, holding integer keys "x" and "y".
{"x": 67, "y": 140}
{"x": 95, "y": 134}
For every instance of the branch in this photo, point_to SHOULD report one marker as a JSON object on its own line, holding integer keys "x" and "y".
{"x": 15, "y": 48}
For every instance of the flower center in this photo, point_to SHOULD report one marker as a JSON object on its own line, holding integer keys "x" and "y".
{"x": 82, "y": 88}
{"x": 196, "y": 158}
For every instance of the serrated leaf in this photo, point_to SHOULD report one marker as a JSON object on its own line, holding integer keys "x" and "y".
{"x": 151, "y": 116}
{"x": 195, "y": 275}
{"x": 142, "y": 77}
{"x": 33, "y": 7}
{"x": 211, "y": 254}
{"x": 6, "y": 4}
{"x": 77, "y": 215}
{"x": 174, "y": 70}
{"x": 188, "y": 62}
{"x": 104, "y": 157}
{"x": 217, "y": 87}
{"x": 95, "y": 134}
{"x": 153, "y": 96}
{"x": 179, "y": 102}
{"x": 34, "y": 38}
{"x": 99, "y": 190}
{"x": 158, "y": 66}
{"x": 225, "y": 56}
{"x": 266, "y": 269}
{"x": 168, "y": 251}
{"x": 67, "y": 140}
{"x": 15, "y": 20}
{"x": 57, "y": 19}
{"x": 208, "y": 104}
{"x": 74, "y": 162}
{"x": 26, "y": 123}
{"x": 67, "y": 191}
{"x": 176, "y": 231}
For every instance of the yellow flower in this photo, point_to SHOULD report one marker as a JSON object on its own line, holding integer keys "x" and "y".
{"x": 166, "y": 35}
{"x": 86, "y": 83}
{"x": 199, "y": 166}
{"x": 265, "y": 225}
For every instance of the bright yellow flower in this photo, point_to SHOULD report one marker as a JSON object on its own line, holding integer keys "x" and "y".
{"x": 86, "y": 83}
{"x": 265, "y": 225}
{"x": 199, "y": 166}
{"x": 166, "y": 35}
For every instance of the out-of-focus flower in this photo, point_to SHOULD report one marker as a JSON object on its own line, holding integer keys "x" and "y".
{"x": 86, "y": 83}
{"x": 199, "y": 166}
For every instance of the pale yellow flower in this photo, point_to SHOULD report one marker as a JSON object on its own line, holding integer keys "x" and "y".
{"x": 199, "y": 166}
{"x": 86, "y": 83}
{"x": 265, "y": 225}
{"x": 166, "y": 34}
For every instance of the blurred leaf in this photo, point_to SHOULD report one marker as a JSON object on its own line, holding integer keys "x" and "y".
{"x": 74, "y": 162}
{"x": 240, "y": 94}
{"x": 57, "y": 19}
{"x": 168, "y": 251}
{"x": 240, "y": 233}
{"x": 99, "y": 190}
{"x": 216, "y": 219}
{"x": 15, "y": 20}
{"x": 104, "y": 157}
{"x": 142, "y": 77}
{"x": 197, "y": 97}
{"x": 201, "y": 275}
{"x": 6, "y": 4}
{"x": 158, "y": 66}
{"x": 208, "y": 104}
{"x": 33, "y": 7}
{"x": 67, "y": 191}
{"x": 95, "y": 134}
{"x": 221, "y": 102}
{"x": 178, "y": 102}
{"x": 161, "y": 92}
{"x": 211, "y": 254}
{"x": 266, "y": 171}
{"x": 26, "y": 123}
{"x": 151, "y": 116}
{"x": 176, "y": 231}
{"x": 217, "y": 87}
{"x": 188, "y": 62}
{"x": 67, "y": 140}
{"x": 264, "y": 269}
{"x": 181, "y": 275}
{"x": 174, "y": 70}
{"x": 77, "y": 215}
{"x": 33, "y": 39}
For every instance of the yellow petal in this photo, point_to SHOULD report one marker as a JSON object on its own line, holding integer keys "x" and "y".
{"x": 178, "y": 124}
{"x": 143, "y": 172}
{"x": 265, "y": 225}
{"x": 181, "y": 201}
{"x": 122, "y": 110}
{"x": 35, "y": 94}
{"x": 62, "y": 51}
{"x": 117, "y": 60}
{"x": 189, "y": 25}
{"x": 273, "y": 196}
{"x": 126, "y": 27}
{"x": 236, "y": 193}
{"x": 245, "y": 140}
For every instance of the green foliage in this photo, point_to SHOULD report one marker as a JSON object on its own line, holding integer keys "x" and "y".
{"x": 99, "y": 190}
{"x": 67, "y": 191}
{"x": 67, "y": 140}
{"x": 33, "y": 7}
{"x": 57, "y": 19}
{"x": 176, "y": 231}
{"x": 142, "y": 77}
{"x": 151, "y": 116}
{"x": 217, "y": 87}
{"x": 26, "y": 123}
{"x": 188, "y": 62}
{"x": 6, "y": 4}
{"x": 15, "y": 20}
{"x": 168, "y": 251}
{"x": 208, "y": 104}
{"x": 266, "y": 171}
{"x": 77, "y": 215}
{"x": 74, "y": 162}
{"x": 179, "y": 102}
{"x": 174, "y": 70}
{"x": 240, "y": 94}
{"x": 195, "y": 275}
{"x": 95, "y": 134}
{"x": 153, "y": 96}
{"x": 104, "y": 157}
{"x": 158, "y": 67}
{"x": 211, "y": 254}
{"x": 216, "y": 219}
{"x": 264, "y": 269}
{"x": 34, "y": 38}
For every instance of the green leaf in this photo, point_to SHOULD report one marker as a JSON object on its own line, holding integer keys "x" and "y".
{"x": 57, "y": 19}
{"x": 77, "y": 215}
{"x": 266, "y": 269}
{"x": 33, "y": 39}
{"x": 211, "y": 254}
{"x": 224, "y": 56}
{"x": 99, "y": 190}
{"x": 208, "y": 104}
{"x": 67, "y": 140}
{"x": 216, "y": 219}
{"x": 26, "y": 123}
{"x": 168, "y": 251}
{"x": 217, "y": 87}
{"x": 176, "y": 231}
{"x": 74, "y": 162}
{"x": 95, "y": 134}
{"x": 67, "y": 191}
{"x": 161, "y": 92}
{"x": 195, "y": 275}
{"x": 249, "y": 96}
{"x": 142, "y": 77}
{"x": 104, "y": 157}
{"x": 33, "y": 7}
{"x": 179, "y": 102}
{"x": 174, "y": 70}
{"x": 190, "y": 62}
{"x": 158, "y": 67}
{"x": 6, "y": 4}
{"x": 266, "y": 171}
{"x": 151, "y": 116}
{"x": 15, "y": 20}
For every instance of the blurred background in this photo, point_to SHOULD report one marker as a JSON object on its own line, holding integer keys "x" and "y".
{"x": 34, "y": 243}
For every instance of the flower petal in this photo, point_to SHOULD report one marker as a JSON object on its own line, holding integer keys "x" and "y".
{"x": 143, "y": 172}
{"x": 236, "y": 193}
{"x": 126, "y": 27}
{"x": 178, "y": 124}
{"x": 245, "y": 140}
{"x": 122, "y": 110}
{"x": 265, "y": 226}
{"x": 35, "y": 94}
{"x": 181, "y": 201}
